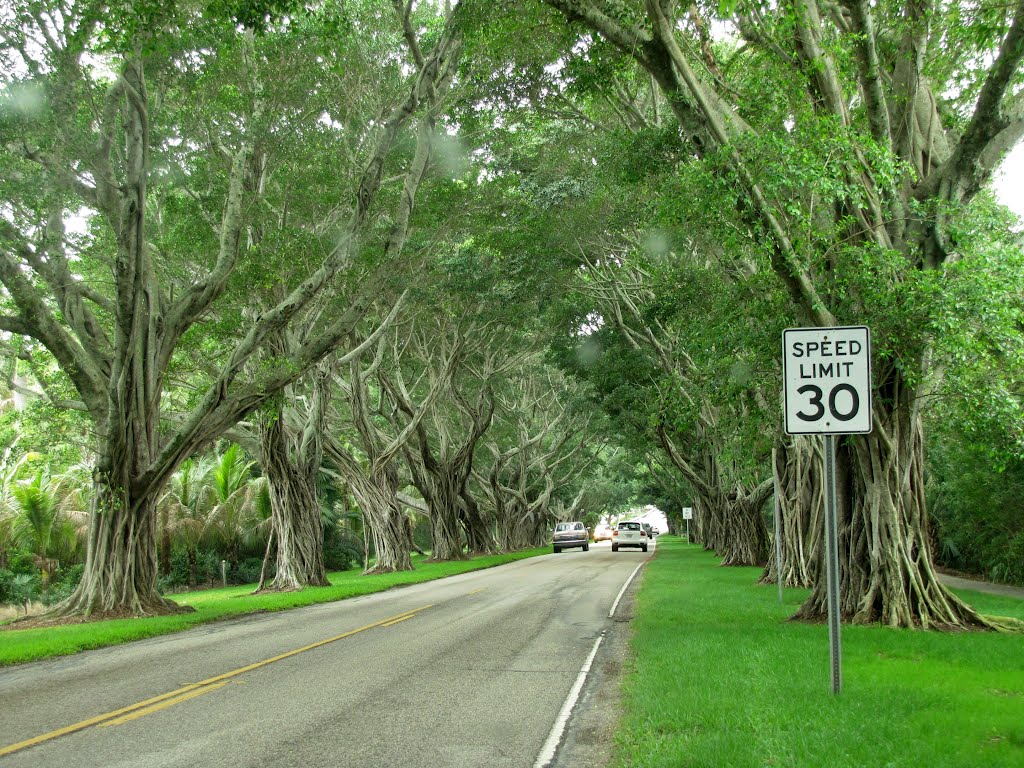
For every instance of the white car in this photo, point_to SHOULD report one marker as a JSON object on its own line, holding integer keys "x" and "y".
{"x": 629, "y": 534}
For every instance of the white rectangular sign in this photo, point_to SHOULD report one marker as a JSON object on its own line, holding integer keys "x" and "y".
{"x": 687, "y": 513}
{"x": 827, "y": 380}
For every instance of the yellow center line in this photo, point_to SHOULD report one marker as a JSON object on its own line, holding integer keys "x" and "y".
{"x": 390, "y": 623}
{"x": 477, "y": 591}
{"x": 162, "y": 705}
{"x": 206, "y": 685}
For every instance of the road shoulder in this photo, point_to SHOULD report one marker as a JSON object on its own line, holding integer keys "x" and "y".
{"x": 590, "y": 736}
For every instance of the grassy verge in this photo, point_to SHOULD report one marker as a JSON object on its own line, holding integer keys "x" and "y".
{"x": 721, "y": 679}
{"x": 18, "y": 646}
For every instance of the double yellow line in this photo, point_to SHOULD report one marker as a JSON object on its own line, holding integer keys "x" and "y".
{"x": 191, "y": 691}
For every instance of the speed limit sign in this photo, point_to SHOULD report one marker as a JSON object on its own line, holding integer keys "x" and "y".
{"x": 827, "y": 380}
{"x": 827, "y": 392}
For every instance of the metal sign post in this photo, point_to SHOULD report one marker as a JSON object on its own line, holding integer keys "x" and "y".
{"x": 832, "y": 564}
{"x": 827, "y": 392}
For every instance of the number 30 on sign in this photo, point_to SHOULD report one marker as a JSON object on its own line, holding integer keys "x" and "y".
{"x": 827, "y": 380}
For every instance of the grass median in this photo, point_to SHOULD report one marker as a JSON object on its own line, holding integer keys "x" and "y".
{"x": 719, "y": 678}
{"x": 21, "y": 645}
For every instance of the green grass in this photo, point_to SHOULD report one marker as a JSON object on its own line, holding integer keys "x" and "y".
{"x": 719, "y": 678}
{"x": 22, "y": 645}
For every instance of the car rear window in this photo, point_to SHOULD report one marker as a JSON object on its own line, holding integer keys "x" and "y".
{"x": 629, "y": 526}
{"x": 562, "y": 527}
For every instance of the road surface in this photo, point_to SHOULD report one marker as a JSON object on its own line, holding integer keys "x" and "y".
{"x": 467, "y": 671}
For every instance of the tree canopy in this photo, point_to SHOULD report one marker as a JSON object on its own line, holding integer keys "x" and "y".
{"x": 457, "y": 272}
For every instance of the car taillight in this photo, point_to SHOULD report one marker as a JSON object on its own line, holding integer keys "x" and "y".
{"x": 643, "y": 532}
{"x": 615, "y": 533}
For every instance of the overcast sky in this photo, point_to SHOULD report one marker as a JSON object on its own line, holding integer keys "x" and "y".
{"x": 1008, "y": 182}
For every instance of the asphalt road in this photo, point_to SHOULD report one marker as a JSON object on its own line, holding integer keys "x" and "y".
{"x": 468, "y": 671}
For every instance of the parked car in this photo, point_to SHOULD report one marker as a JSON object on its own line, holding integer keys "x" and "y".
{"x": 602, "y": 532}
{"x": 650, "y": 530}
{"x": 630, "y": 534}
{"x": 573, "y": 534}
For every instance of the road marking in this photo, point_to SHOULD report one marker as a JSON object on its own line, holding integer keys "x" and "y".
{"x": 611, "y": 613}
{"x": 145, "y": 707}
{"x": 476, "y": 591}
{"x": 86, "y": 723}
{"x": 396, "y": 621}
{"x": 162, "y": 705}
{"x": 547, "y": 753}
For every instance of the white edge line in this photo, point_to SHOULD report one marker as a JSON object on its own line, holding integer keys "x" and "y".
{"x": 611, "y": 613}
{"x": 547, "y": 753}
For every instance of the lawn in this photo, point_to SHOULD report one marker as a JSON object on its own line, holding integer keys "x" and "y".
{"x": 719, "y": 678}
{"x": 22, "y": 645}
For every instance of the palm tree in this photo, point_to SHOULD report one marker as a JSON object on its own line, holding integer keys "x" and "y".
{"x": 7, "y": 543}
{"x": 71, "y": 489}
{"x": 234, "y": 524}
{"x": 183, "y": 511}
{"x": 47, "y": 520}
{"x": 9, "y": 472}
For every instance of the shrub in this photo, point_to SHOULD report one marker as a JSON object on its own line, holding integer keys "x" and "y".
{"x": 248, "y": 571}
{"x": 6, "y": 585}
{"x": 63, "y": 583}
{"x": 977, "y": 509}
{"x": 207, "y": 570}
{"x": 342, "y": 551}
{"x": 23, "y": 562}
{"x": 178, "y": 576}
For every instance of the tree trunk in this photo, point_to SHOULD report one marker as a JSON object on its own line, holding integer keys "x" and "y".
{"x": 746, "y": 536}
{"x": 478, "y": 532}
{"x": 378, "y": 500}
{"x": 390, "y": 539}
{"x": 706, "y": 526}
{"x": 291, "y": 472}
{"x": 504, "y": 525}
{"x": 443, "y": 499}
{"x": 516, "y": 527}
{"x": 798, "y": 469}
{"x": 295, "y": 519}
{"x": 523, "y": 529}
{"x": 538, "y": 535}
{"x": 376, "y": 494}
{"x": 121, "y": 558}
{"x": 885, "y": 567}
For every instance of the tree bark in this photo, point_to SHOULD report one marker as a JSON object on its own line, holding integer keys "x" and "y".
{"x": 746, "y": 536}
{"x": 729, "y": 522}
{"x": 798, "y": 469}
{"x": 294, "y": 503}
{"x": 885, "y": 568}
{"x": 445, "y": 534}
{"x": 377, "y": 496}
{"x": 479, "y": 533}
{"x": 121, "y": 565}
{"x": 376, "y": 493}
